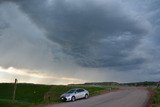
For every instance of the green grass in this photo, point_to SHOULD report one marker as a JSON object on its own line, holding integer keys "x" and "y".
{"x": 32, "y": 94}
{"x": 156, "y": 97}
{"x": 9, "y": 103}
{"x": 26, "y": 94}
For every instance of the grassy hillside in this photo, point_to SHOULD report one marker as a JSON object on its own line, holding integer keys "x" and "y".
{"x": 31, "y": 94}
{"x": 26, "y": 94}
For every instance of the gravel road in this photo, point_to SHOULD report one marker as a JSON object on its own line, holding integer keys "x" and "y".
{"x": 131, "y": 97}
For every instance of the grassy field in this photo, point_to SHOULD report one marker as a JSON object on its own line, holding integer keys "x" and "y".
{"x": 156, "y": 98}
{"x": 32, "y": 94}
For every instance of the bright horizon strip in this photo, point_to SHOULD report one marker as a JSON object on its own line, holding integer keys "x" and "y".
{"x": 33, "y": 74}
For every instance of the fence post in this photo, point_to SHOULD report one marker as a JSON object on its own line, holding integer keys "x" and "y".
{"x": 14, "y": 91}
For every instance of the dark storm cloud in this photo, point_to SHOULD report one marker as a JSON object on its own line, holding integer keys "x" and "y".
{"x": 22, "y": 43}
{"x": 95, "y": 33}
{"x": 101, "y": 36}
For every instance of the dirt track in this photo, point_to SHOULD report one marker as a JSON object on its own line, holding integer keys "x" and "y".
{"x": 131, "y": 97}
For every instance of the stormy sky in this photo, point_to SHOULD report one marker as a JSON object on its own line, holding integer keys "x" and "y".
{"x": 76, "y": 41}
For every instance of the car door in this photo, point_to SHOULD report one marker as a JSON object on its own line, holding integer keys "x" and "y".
{"x": 82, "y": 93}
{"x": 78, "y": 94}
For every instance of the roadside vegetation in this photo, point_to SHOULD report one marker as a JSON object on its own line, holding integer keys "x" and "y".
{"x": 156, "y": 98}
{"x": 28, "y": 95}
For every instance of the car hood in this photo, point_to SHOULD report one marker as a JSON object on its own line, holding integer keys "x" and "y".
{"x": 66, "y": 94}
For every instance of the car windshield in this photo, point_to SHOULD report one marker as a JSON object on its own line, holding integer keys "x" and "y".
{"x": 71, "y": 91}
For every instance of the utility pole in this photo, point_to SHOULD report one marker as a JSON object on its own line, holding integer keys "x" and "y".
{"x": 14, "y": 91}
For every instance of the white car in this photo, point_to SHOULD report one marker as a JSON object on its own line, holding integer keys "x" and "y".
{"x": 74, "y": 94}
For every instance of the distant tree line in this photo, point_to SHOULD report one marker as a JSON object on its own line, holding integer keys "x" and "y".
{"x": 145, "y": 83}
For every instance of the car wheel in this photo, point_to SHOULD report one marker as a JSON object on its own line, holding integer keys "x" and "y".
{"x": 73, "y": 98}
{"x": 86, "y": 96}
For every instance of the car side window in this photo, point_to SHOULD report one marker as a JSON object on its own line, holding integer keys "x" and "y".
{"x": 80, "y": 90}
